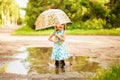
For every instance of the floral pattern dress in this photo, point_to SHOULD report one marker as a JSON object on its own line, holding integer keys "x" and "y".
{"x": 59, "y": 51}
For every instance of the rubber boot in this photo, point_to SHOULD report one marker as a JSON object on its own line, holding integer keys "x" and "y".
{"x": 62, "y": 63}
{"x": 56, "y": 63}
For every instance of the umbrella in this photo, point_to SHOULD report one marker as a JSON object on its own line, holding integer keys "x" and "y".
{"x": 50, "y": 18}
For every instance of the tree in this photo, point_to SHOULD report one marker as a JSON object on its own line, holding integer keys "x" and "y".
{"x": 113, "y": 18}
{"x": 112, "y": 2}
{"x": 115, "y": 14}
{"x": 9, "y": 12}
{"x": 34, "y": 8}
{"x": 95, "y": 14}
{"x": 91, "y": 14}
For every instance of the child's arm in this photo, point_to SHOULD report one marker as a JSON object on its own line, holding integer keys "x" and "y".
{"x": 50, "y": 38}
{"x": 62, "y": 38}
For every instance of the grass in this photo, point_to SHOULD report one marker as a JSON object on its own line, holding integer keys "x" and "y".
{"x": 113, "y": 73}
{"x": 94, "y": 32}
{"x": 28, "y": 31}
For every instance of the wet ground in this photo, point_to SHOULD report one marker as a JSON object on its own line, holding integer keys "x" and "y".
{"x": 89, "y": 54}
{"x": 34, "y": 63}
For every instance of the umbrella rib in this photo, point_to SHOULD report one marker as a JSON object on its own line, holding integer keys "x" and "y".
{"x": 50, "y": 18}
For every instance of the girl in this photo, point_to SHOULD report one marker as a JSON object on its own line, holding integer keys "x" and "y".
{"x": 59, "y": 53}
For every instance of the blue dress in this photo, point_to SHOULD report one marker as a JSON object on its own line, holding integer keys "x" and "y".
{"x": 59, "y": 51}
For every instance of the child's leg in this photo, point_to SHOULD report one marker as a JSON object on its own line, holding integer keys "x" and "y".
{"x": 57, "y": 70}
{"x": 62, "y": 63}
{"x": 57, "y": 63}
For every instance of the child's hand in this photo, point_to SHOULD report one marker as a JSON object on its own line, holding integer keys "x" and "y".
{"x": 56, "y": 41}
{"x": 56, "y": 35}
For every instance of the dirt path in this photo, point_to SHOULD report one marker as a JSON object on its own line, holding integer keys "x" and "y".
{"x": 99, "y": 46}
{"x": 77, "y": 45}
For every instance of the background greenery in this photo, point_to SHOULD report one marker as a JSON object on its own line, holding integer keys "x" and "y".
{"x": 88, "y": 16}
{"x": 9, "y": 13}
{"x": 85, "y": 14}
{"x": 111, "y": 73}
{"x": 26, "y": 30}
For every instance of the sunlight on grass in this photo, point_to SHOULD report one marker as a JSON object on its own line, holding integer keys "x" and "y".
{"x": 95, "y": 32}
{"x": 112, "y": 73}
{"x": 28, "y": 31}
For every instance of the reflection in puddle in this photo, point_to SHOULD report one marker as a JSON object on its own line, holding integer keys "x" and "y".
{"x": 37, "y": 61}
{"x": 19, "y": 66}
{"x": 41, "y": 63}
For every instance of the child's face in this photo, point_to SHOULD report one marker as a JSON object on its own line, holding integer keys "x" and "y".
{"x": 59, "y": 27}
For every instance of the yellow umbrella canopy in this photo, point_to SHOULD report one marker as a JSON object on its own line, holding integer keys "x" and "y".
{"x": 50, "y": 18}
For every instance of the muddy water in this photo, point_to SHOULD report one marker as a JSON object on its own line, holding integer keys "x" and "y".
{"x": 40, "y": 62}
{"x": 16, "y": 63}
{"x": 36, "y": 60}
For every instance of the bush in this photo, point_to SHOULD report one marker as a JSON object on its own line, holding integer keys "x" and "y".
{"x": 30, "y": 22}
{"x": 113, "y": 19}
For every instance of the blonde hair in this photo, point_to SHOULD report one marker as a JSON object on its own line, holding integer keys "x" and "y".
{"x": 64, "y": 27}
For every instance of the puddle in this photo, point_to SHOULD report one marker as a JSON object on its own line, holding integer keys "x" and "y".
{"x": 36, "y": 60}
{"x": 18, "y": 66}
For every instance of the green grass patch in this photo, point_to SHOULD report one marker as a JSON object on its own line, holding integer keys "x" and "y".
{"x": 94, "y": 32}
{"x": 28, "y": 31}
{"x": 112, "y": 73}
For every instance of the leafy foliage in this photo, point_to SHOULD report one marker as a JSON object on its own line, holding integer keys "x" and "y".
{"x": 9, "y": 12}
{"x": 114, "y": 18}
{"x": 85, "y": 14}
{"x": 34, "y": 8}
